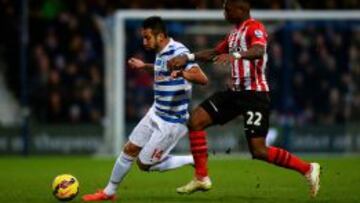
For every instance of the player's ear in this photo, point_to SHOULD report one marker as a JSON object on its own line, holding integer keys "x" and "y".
{"x": 160, "y": 36}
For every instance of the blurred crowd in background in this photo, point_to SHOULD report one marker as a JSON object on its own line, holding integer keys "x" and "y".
{"x": 323, "y": 73}
{"x": 313, "y": 71}
{"x": 66, "y": 61}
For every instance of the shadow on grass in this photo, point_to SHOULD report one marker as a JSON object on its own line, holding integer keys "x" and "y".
{"x": 207, "y": 199}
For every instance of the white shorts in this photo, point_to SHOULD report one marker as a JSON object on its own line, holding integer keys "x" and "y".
{"x": 156, "y": 137}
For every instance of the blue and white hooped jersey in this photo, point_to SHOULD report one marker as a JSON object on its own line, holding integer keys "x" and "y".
{"x": 172, "y": 96}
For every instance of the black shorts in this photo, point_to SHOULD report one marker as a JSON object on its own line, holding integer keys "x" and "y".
{"x": 254, "y": 106}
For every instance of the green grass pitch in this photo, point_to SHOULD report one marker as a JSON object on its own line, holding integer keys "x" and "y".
{"x": 234, "y": 179}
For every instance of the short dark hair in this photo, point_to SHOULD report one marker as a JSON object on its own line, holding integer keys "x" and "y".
{"x": 156, "y": 24}
{"x": 248, "y": 2}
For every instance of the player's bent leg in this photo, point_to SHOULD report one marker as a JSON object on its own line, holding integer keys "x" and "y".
{"x": 283, "y": 158}
{"x": 171, "y": 162}
{"x": 311, "y": 171}
{"x": 121, "y": 168}
{"x": 258, "y": 149}
{"x": 313, "y": 178}
{"x": 199, "y": 120}
{"x": 155, "y": 154}
{"x": 277, "y": 156}
{"x": 142, "y": 166}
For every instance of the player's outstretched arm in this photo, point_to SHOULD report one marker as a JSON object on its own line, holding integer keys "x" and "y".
{"x": 180, "y": 61}
{"x": 255, "y": 52}
{"x": 139, "y": 64}
{"x": 194, "y": 75}
{"x": 205, "y": 55}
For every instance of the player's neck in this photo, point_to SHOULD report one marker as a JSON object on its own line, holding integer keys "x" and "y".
{"x": 163, "y": 44}
{"x": 245, "y": 18}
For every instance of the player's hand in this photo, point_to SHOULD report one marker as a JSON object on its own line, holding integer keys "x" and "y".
{"x": 177, "y": 62}
{"x": 136, "y": 63}
{"x": 223, "y": 59}
{"x": 176, "y": 73}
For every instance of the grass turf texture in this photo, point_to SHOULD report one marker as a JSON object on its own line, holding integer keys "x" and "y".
{"x": 234, "y": 180}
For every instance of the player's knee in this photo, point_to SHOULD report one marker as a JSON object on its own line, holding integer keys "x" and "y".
{"x": 131, "y": 149}
{"x": 197, "y": 123}
{"x": 199, "y": 119}
{"x": 259, "y": 153}
{"x": 142, "y": 166}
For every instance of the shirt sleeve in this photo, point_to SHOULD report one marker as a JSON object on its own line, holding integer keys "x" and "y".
{"x": 181, "y": 51}
{"x": 257, "y": 34}
{"x": 223, "y": 46}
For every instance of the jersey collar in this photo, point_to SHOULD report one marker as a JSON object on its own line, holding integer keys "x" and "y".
{"x": 167, "y": 46}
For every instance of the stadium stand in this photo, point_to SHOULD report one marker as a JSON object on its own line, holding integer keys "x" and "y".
{"x": 66, "y": 62}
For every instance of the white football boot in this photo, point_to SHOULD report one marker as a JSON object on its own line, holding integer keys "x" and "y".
{"x": 313, "y": 178}
{"x": 194, "y": 186}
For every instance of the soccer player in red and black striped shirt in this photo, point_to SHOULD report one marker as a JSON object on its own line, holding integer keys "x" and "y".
{"x": 245, "y": 47}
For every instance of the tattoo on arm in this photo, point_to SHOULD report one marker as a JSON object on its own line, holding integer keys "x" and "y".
{"x": 255, "y": 52}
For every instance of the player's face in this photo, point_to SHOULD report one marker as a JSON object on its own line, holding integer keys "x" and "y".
{"x": 149, "y": 39}
{"x": 235, "y": 12}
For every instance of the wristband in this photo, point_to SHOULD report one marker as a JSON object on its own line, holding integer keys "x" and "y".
{"x": 191, "y": 57}
{"x": 236, "y": 55}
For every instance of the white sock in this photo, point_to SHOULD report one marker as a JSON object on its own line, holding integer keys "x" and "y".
{"x": 121, "y": 168}
{"x": 172, "y": 162}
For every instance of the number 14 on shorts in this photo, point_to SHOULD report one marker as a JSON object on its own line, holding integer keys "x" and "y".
{"x": 157, "y": 154}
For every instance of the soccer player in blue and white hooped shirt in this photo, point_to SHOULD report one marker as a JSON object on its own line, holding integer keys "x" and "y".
{"x": 165, "y": 123}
